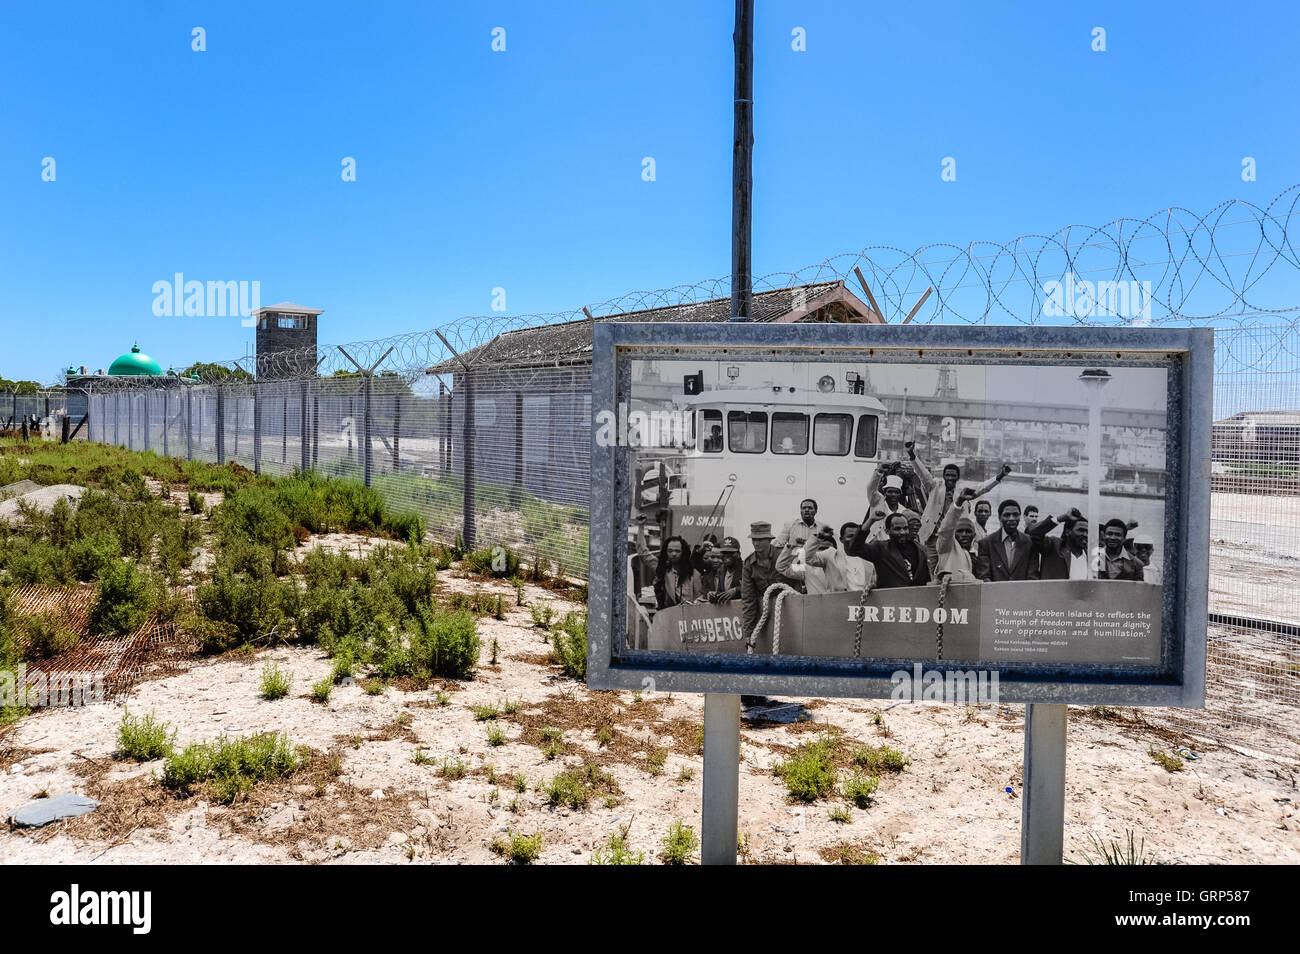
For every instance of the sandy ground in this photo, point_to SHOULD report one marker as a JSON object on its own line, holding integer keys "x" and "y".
{"x": 950, "y": 804}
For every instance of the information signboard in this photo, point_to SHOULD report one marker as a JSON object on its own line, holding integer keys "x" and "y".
{"x": 841, "y": 509}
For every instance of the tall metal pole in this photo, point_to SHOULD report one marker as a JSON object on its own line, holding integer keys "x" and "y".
{"x": 719, "y": 815}
{"x": 742, "y": 165}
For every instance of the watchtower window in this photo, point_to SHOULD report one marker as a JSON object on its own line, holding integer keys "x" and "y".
{"x": 291, "y": 321}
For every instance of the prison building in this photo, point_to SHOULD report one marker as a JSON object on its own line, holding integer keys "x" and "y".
{"x": 532, "y": 388}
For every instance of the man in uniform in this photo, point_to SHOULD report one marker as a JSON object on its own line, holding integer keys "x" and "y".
{"x": 758, "y": 573}
{"x": 1143, "y": 548}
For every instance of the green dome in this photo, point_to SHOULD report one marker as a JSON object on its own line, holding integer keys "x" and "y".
{"x": 133, "y": 362}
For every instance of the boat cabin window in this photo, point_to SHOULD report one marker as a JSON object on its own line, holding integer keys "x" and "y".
{"x": 832, "y": 434}
{"x": 866, "y": 445}
{"x": 789, "y": 433}
{"x": 747, "y": 432}
{"x": 711, "y": 431}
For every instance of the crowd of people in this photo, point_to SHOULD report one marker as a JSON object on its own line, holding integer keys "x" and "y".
{"x": 919, "y": 529}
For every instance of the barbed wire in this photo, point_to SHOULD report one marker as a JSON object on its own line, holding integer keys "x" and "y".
{"x": 1230, "y": 268}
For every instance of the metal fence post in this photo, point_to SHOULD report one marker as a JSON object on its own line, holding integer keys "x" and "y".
{"x": 397, "y": 431}
{"x": 284, "y": 424}
{"x": 304, "y": 450}
{"x": 189, "y": 423}
{"x": 467, "y": 452}
{"x": 365, "y": 427}
{"x": 166, "y": 445}
{"x": 257, "y": 426}
{"x": 221, "y": 424}
{"x": 516, "y": 491}
{"x": 315, "y": 425}
{"x": 444, "y": 427}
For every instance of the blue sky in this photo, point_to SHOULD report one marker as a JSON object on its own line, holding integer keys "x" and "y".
{"x": 522, "y": 169}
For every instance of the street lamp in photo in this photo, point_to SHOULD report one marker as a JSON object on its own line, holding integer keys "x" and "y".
{"x": 1094, "y": 380}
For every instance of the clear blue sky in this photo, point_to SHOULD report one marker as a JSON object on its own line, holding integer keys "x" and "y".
{"x": 522, "y": 169}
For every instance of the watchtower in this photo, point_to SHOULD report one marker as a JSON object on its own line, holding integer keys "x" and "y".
{"x": 286, "y": 340}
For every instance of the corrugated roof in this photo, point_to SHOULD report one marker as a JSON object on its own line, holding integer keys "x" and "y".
{"x": 570, "y": 341}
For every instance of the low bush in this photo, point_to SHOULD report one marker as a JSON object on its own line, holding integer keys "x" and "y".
{"x": 230, "y": 767}
{"x": 47, "y": 635}
{"x": 275, "y": 682}
{"x": 521, "y": 849}
{"x": 810, "y": 773}
{"x": 569, "y": 644}
{"x": 144, "y": 739}
{"x": 125, "y": 600}
{"x": 679, "y": 844}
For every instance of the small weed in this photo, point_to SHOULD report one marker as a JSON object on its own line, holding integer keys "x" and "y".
{"x": 496, "y": 735}
{"x": 511, "y": 708}
{"x": 686, "y": 774}
{"x": 656, "y": 760}
{"x": 442, "y": 698}
{"x": 543, "y": 614}
{"x": 1168, "y": 762}
{"x": 679, "y": 844}
{"x": 1131, "y": 852}
{"x": 877, "y": 759}
{"x": 860, "y": 789}
{"x": 498, "y": 612}
{"x": 320, "y": 691}
{"x": 847, "y": 854}
{"x": 604, "y": 736}
{"x": 810, "y": 774}
{"x": 421, "y": 757}
{"x": 520, "y": 782}
{"x": 374, "y": 686}
{"x": 616, "y": 851}
{"x": 484, "y": 713}
{"x": 520, "y": 849}
{"x": 841, "y": 814}
{"x": 144, "y": 739}
{"x": 496, "y": 647}
{"x": 453, "y": 769}
{"x": 275, "y": 681}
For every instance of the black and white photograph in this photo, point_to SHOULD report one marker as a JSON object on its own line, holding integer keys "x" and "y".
{"x": 984, "y": 512}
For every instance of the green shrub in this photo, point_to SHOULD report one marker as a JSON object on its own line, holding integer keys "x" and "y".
{"x": 877, "y": 759}
{"x": 569, "y": 644}
{"x": 144, "y": 739}
{"x": 521, "y": 849}
{"x": 249, "y": 609}
{"x": 448, "y": 643}
{"x": 275, "y": 682}
{"x": 47, "y": 635}
{"x": 195, "y": 502}
{"x": 124, "y": 602}
{"x": 810, "y": 774}
{"x": 679, "y": 844}
{"x": 543, "y": 614}
{"x": 89, "y": 557}
{"x": 320, "y": 691}
{"x": 496, "y": 735}
{"x": 232, "y": 766}
{"x": 860, "y": 789}
{"x": 616, "y": 852}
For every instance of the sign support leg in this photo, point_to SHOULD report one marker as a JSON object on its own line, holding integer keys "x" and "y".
{"x": 721, "y": 778}
{"x": 1042, "y": 811}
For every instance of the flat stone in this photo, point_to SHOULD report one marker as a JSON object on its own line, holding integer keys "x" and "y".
{"x": 42, "y": 811}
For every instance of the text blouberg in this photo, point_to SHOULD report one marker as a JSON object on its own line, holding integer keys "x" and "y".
{"x": 1049, "y": 621}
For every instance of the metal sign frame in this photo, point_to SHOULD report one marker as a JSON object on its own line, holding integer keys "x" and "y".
{"x": 1179, "y": 679}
